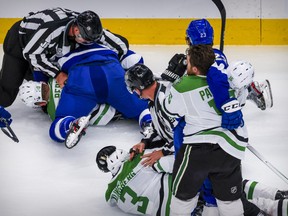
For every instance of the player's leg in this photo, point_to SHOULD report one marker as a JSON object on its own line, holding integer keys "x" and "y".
{"x": 226, "y": 179}
{"x": 70, "y": 107}
{"x": 14, "y": 67}
{"x": 188, "y": 177}
{"x": 272, "y": 207}
{"x": 255, "y": 190}
{"x": 129, "y": 105}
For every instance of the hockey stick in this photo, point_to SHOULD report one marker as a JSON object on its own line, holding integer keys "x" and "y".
{"x": 10, "y": 133}
{"x": 267, "y": 163}
{"x": 222, "y": 10}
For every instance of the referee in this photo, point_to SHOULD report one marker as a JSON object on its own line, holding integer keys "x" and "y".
{"x": 36, "y": 42}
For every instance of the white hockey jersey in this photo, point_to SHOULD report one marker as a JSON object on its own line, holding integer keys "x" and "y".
{"x": 192, "y": 99}
{"x": 142, "y": 190}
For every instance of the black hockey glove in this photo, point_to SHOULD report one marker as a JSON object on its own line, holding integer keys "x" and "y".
{"x": 176, "y": 68}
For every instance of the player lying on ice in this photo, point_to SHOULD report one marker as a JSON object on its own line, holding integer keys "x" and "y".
{"x": 146, "y": 190}
{"x": 95, "y": 80}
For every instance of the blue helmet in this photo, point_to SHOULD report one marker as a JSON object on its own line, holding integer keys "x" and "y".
{"x": 199, "y": 32}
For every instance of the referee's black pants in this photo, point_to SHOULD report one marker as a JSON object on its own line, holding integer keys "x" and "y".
{"x": 14, "y": 67}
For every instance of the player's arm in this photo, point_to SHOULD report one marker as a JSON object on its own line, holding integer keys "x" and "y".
{"x": 150, "y": 159}
{"x": 115, "y": 42}
{"x": 230, "y": 108}
{"x": 164, "y": 164}
{"x": 154, "y": 141}
{"x": 173, "y": 104}
{"x": 35, "y": 52}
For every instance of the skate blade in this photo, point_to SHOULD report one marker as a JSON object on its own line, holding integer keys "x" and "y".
{"x": 270, "y": 93}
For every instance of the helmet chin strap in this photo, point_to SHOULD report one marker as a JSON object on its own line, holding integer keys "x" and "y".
{"x": 140, "y": 96}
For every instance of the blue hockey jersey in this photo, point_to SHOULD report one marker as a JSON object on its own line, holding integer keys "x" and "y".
{"x": 95, "y": 76}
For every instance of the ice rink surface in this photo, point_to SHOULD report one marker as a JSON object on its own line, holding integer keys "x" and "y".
{"x": 41, "y": 178}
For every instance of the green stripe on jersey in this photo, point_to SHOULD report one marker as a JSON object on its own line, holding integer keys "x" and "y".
{"x": 224, "y": 136}
{"x": 169, "y": 196}
{"x": 190, "y": 82}
{"x": 181, "y": 169}
{"x": 125, "y": 174}
{"x": 251, "y": 189}
{"x": 102, "y": 114}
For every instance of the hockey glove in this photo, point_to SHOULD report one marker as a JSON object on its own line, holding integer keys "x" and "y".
{"x": 5, "y": 117}
{"x": 232, "y": 116}
{"x": 176, "y": 68}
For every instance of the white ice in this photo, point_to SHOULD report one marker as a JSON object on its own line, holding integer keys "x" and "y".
{"x": 41, "y": 178}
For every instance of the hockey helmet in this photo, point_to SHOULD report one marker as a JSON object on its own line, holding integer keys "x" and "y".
{"x": 110, "y": 159}
{"x": 138, "y": 77}
{"x": 240, "y": 74}
{"x": 31, "y": 93}
{"x": 90, "y": 26}
{"x": 199, "y": 32}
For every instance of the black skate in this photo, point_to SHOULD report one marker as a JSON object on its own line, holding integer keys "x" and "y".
{"x": 281, "y": 195}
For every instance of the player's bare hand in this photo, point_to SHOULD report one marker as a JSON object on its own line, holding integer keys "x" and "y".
{"x": 61, "y": 79}
{"x": 136, "y": 149}
{"x": 151, "y": 158}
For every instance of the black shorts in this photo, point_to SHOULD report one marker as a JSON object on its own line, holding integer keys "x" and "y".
{"x": 195, "y": 162}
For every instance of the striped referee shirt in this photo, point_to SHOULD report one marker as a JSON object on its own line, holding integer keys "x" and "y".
{"x": 44, "y": 39}
{"x": 161, "y": 123}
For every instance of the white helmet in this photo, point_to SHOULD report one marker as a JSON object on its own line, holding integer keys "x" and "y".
{"x": 110, "y": 159}
{"x": 240, "y": 74}
{"x": 116, "y": 159}
{"x": 30, "y": 93}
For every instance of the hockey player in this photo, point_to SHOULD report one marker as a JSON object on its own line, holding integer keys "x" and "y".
{"x": 192, "y": 100}
{"x": 271, "y": 200}
{"x": 134, "y": 188}
{"x": 201, "y": 32}
{"x": 95, "y": 77}
{"x": 47, "y": 95}
{"x": 139, "y": 189}
{"x": 140, "y": 79}
{"x": 36, "y": 42}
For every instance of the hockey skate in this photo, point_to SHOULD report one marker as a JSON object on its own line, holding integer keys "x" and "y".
{"x": 76, "y": 131}
{"x": 281, "y": 195}
{"x": 261, "y": 94}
